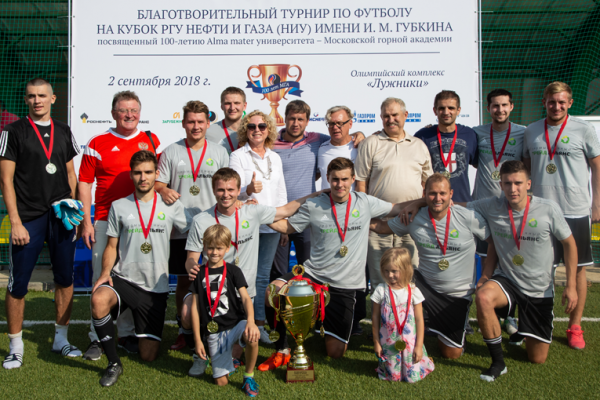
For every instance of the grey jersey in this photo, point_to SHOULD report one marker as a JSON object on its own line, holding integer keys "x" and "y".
{"x": 148, "y": 271}
{"x": 535, "y": 277}
{"x": 216, "y": 134}
{"x": 175, "y": 170}
{"x": 459, "y": 279}
{"x": 325, "y": 263}
{"x": 251, "y": 217}
{"x": 569, "y": 185}
{"x": 485, "y": 186}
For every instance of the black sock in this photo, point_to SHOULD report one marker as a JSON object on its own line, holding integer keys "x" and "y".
{"x": 495, "y": 348}
{"x": 105, "y": 330}
{"x": 188, "y": 335}
{"x": 178, "y": 319}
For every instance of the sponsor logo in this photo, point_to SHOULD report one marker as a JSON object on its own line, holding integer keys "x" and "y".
{"x": 324, "y": 218}
{"x": 181, "y": 162}
{"x": 565, "y": 140}
{"x": 161, "y": 216}
{"x": 316, "y": 117}
{"x": 210, "y": 162}
{"x": 106, "y": 338}
{"x": 454, "y": 234}
{"x": 131, "y": 216}
{"x": 143, "y": 146}
{"x": 483, "y": 141}
{"x": 533, "y": 223}
{"x": 364, "y": 118}
{"x": 245, "y": 224}
{"x": 512, "y": 141}
{"x": 355, "y": 213}
{"x": 413, "y": 117}
{"x": 115, "y": 149}
{"x": 176, "y": 118}
{"x": 86, "y": 120}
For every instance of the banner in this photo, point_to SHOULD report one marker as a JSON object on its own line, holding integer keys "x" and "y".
{"x": 326, "y": 53}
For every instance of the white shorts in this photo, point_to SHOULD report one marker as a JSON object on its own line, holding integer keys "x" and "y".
{"x": 219, "y": 349}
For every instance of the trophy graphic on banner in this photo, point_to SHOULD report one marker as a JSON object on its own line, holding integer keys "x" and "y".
{"x": 274, "y": 85}
{"x": 298, "y": 304}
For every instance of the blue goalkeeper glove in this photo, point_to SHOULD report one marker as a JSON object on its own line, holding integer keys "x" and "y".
{"x": 69, "y": 211}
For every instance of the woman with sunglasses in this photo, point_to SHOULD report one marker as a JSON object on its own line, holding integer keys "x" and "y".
{"x": 261, "y": 174}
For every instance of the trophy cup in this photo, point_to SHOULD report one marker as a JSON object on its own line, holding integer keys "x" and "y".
{"x": 298, "y": 304}
{"x": 274, "y": 85}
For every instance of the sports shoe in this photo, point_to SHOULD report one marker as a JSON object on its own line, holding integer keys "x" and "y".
{"x": 276, "y": 360}
{"x": 250, "y": 387}
{"x": 129, "y": 344}
{"x": 356, "y": 330}
{"x": 493, "y": 373}
{"x": 111, "y": 375}
{"x": 237, "y": 363}
{"x": 94, "y": 351}
{"x": 469, "y": 330}
{"x": 510, "y": 324}
{"x": 198, "y": 367}
{"x": 516, "y": 339}
{"x": 575, "y": 337}
{"x": 179, "y": 343}
{"x": 264, "y": 335}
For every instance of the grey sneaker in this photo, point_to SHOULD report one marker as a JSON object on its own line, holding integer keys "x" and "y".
{"x": 111, "y": 375}
{"x": 129, "y": 344}
{"x": 94, "y": 351}
{"x": 510, "y": 324}
{"x": 198, "y": 367}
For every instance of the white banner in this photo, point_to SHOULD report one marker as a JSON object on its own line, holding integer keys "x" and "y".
{"x": 326, "y": 53}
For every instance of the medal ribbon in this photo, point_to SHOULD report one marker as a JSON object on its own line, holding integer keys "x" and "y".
{"x": 213, "y": 307}
{"x": 445, "y": 246}
{"x": 497, "y": 161}
{"x": 342, "y": 234}
{"x": 513, "y": 226}
{"x": 35, "y": 128}
{"x": 439, "y": 135}
{"x": 393, "y": 301}
{"x": 145, "y": 230}
{"x": 319, "y": 289}
{"x": 550, "y": 151}
{"x": 237, "y": 227}
{"x": 189, "y": 151}
{"x": 227, "y": 136}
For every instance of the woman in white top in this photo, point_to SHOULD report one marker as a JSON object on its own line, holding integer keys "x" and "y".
{"x": 261, "y": 172}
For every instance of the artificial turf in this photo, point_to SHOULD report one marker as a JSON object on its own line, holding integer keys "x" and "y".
{"x": 566, "y": 374}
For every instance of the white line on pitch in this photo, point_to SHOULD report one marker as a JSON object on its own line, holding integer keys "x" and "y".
{"x": 561, "y": 319}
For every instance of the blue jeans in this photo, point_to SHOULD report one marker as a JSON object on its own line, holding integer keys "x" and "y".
{"x": 267, "y": 246}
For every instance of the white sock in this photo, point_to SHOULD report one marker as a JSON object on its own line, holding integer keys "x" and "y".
{"x": 60, "y": 336}
{"x": 16, "y": 347}
{"x": 286, "y": 351}
{"x": 181, "y": 331}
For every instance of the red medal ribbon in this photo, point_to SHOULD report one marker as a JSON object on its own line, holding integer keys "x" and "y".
{"x": 393, "y": 301}
{"x": 342, "y": 234}
{"x": 189, "y": 151}
{"x": 227, "y": 136}
{"x": 513, "y": 226}
{"x": 445, "y": 246}
{"x": 497, "y": 161}
{"x": 439, "y": 135}
{"x": 213, "y": 307}
{"x": 550, "y": 151}
{"x": 35, "y": 128}
{"x": 319, "y": 289}
{"x": 145, "y": 230}
{"x": 237, "y": 227}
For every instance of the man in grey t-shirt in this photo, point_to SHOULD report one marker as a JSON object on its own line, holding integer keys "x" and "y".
{"x": 224, "y": 132}
{"x": 139, "y": 227}
{"x": 339, "y": 228}
{"x": 522, "y": 229}
{"x": 560, "y": 150}
{"x": 445, "y": 240}
{"x": 186, "y": 169}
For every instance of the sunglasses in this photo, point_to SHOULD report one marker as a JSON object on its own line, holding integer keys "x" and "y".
{"x": 261, "y": 127}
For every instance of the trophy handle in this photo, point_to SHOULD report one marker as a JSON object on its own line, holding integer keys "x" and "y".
{"x": 291, "y": 76}
{"x": 326, "y": 295}
{"x": 272, "y": 294}
{"x": 254, "y": 76}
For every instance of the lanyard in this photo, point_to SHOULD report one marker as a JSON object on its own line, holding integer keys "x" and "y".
{"x": 48, "y": 151}
{"x": 497, "y": 161}
{"x": 237, "y": 227}
{"x": 513, "y": 226}
{"x": 189, "y": 151}
{"x": 342, "y": 234}
{"x": 145, "y": 230}
{"x": 213, "y": 307}
{"x": 445, "y": 246}
{"x": 439, "y": 135}
{"x": 393, "y": 301}
{"x": 227, "y": 136}
{"x": 550, "y": 151}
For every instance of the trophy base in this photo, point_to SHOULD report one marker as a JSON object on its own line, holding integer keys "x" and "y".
{"x": 295, "y": 375}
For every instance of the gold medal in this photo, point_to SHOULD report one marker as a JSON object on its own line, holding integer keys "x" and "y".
{"x": 322, "y": 331}
{"x": 194, "y": 190}
{"x": 400, "y": 345}
{"x": 444, "y": 264}
{"x": 496, "y": 175}
{"x": 446, "y": 174}
{"x": 146, "y": 248}
{"x": 551, "y": 168}
{"x": 212, "y": 327}
{"x": 273, "y": 336}
{"x": 343, "y": 251}
{"x": 518, "y": 260}
{"x": 237, "y": 261}
{"x": 50, "y": 168}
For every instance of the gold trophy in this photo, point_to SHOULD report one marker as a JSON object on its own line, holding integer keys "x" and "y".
{"x": 298, "y": 304}
{"x": 274, "y": 76}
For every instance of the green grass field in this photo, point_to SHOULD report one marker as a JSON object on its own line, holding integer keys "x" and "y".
{"x": 566, "y": 374}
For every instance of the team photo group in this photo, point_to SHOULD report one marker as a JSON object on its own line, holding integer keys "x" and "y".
{"x": 395, "y": 229}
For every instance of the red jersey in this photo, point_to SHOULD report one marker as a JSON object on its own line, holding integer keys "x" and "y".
{"x": 106, "y": 160}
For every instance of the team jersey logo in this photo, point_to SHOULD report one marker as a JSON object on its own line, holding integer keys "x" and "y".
{"x": 161, "y": 216}
{"x": 454, "y": 234}
{"x": 565, "y": 140}
{"x": 210, "y": 162}
{"x": 355, "y": 213}
{"x": 533, "y": 223}
{"x": 512, "y": 141}
{"x": 245, "y": 224}
{"x": 143, "y": 146}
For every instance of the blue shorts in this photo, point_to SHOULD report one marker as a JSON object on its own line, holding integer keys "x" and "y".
{"x": 61, "y": 244}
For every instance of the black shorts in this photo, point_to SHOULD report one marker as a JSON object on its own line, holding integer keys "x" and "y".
{"x": 339, "y": 313}
{"x": 482, "y": 247}
{"x": 148, "y": 308}
{"x": 177, "y": 257}
{"x": 535, "y": 314}
{"x": 447, "y": 315}
{"x": 582, "y": 232}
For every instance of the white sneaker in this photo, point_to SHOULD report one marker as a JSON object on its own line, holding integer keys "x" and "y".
{"x": 510, "y": 324}
{"x": 198, "y": 367}
{"x": 264, "y": 335}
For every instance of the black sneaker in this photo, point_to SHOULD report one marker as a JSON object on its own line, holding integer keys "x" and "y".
{"x": 356, "y": 330}
{"x": 94, "y": 351}
{"x": 111, "y": 375}
{"x": 493, "y": 372}
{"x": 469, "y": 330}
{"x": 129, "y": 344}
